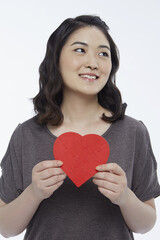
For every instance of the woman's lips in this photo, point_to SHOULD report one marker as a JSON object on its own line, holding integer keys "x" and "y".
{"x": 89, "y": 76}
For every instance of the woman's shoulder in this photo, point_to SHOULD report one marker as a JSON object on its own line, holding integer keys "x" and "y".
{"x": 131, "y": 122}
{"x": 133, "y": 126}
{"x": 31, "y": 122}
{"x": 28, "y": 127}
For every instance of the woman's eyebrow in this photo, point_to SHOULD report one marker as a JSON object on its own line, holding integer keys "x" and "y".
{"x": 104, "y": 46}
{"x": 85, "y": 44}
{"x": 82, "y": 43}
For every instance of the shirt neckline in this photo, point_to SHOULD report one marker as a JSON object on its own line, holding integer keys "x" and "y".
{"x": 103, "y": 135}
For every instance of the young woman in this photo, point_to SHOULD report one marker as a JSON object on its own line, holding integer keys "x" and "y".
{"x": 78, "y": 94}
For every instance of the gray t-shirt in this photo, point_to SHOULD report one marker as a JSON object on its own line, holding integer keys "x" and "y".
{"x": 73, "y": 213}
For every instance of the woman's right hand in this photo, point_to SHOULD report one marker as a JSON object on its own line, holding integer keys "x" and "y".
{"x": 47, "y": 176}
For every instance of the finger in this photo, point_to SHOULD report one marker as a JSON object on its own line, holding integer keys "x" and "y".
{"x": 107, "y": 176}
{"x": 110, "y": 167}
{"x": 49, "y": 172}
{"x": 109, "y": 194}
{"x": 106, "y": 185}
{"x": 53, "y": 180}
{"x": 47, "y": 164}
{"x": 54, "y": 187}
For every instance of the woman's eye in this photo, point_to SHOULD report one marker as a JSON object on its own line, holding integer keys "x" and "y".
{"x": 104, "y": 54}
{"x": 80, "y": 50}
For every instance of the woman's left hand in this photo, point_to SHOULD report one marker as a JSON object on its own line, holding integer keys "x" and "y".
{"x": 112, "y": 182}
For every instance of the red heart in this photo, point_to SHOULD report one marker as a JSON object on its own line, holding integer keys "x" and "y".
{"x": 80, "y": 155}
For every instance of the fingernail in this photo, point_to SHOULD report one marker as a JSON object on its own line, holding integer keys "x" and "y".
{"x": 98, "y": 167}
{"x": 59, "y": 163}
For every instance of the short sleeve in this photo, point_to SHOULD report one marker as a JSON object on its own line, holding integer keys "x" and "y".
{"x": 11, "y": 178}
{"x": 145, "y": 180}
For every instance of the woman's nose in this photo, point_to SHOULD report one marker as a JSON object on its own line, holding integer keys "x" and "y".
{"x": 91, "y": 62}
{"x": 92, "y": 66}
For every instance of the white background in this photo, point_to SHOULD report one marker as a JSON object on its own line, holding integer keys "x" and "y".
{"x": 24, "y": 30}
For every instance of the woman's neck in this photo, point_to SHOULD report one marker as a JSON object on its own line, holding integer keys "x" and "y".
{"x": 81, "y": 109}
{"x": 82, "y": 114}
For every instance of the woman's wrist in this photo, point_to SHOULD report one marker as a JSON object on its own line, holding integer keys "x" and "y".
{"x": 32, "y": 196}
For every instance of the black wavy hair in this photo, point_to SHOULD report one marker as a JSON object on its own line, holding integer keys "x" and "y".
{"x": 47, "y": 102}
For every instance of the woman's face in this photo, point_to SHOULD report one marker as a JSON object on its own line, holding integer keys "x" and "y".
{"x": 85, "y": 61}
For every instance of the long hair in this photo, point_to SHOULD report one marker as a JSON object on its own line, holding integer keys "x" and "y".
{"x": 48, "y": 101}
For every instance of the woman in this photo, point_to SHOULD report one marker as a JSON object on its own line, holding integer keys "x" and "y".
{"x": 78, "y": 94}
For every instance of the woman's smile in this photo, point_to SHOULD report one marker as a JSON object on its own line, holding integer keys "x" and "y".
{"x": 90, "y": 77}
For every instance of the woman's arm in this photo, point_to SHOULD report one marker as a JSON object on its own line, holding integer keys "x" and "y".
{"x": 15, "y": 216}
{"x": 111, "y": 181}
{"x": 139, "y": 216}
{"x": 47, "y": 176}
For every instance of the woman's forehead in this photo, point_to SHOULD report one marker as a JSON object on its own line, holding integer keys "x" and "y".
{"x": 88, "y": 34}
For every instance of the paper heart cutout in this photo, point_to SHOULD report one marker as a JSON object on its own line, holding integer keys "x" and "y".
{"x": 80, "y": 155}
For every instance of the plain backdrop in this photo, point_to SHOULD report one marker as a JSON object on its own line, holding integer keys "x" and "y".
{"x": 25, "y": 27}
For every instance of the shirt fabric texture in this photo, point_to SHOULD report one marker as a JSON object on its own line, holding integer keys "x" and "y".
{"x": 73, "y": 213}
